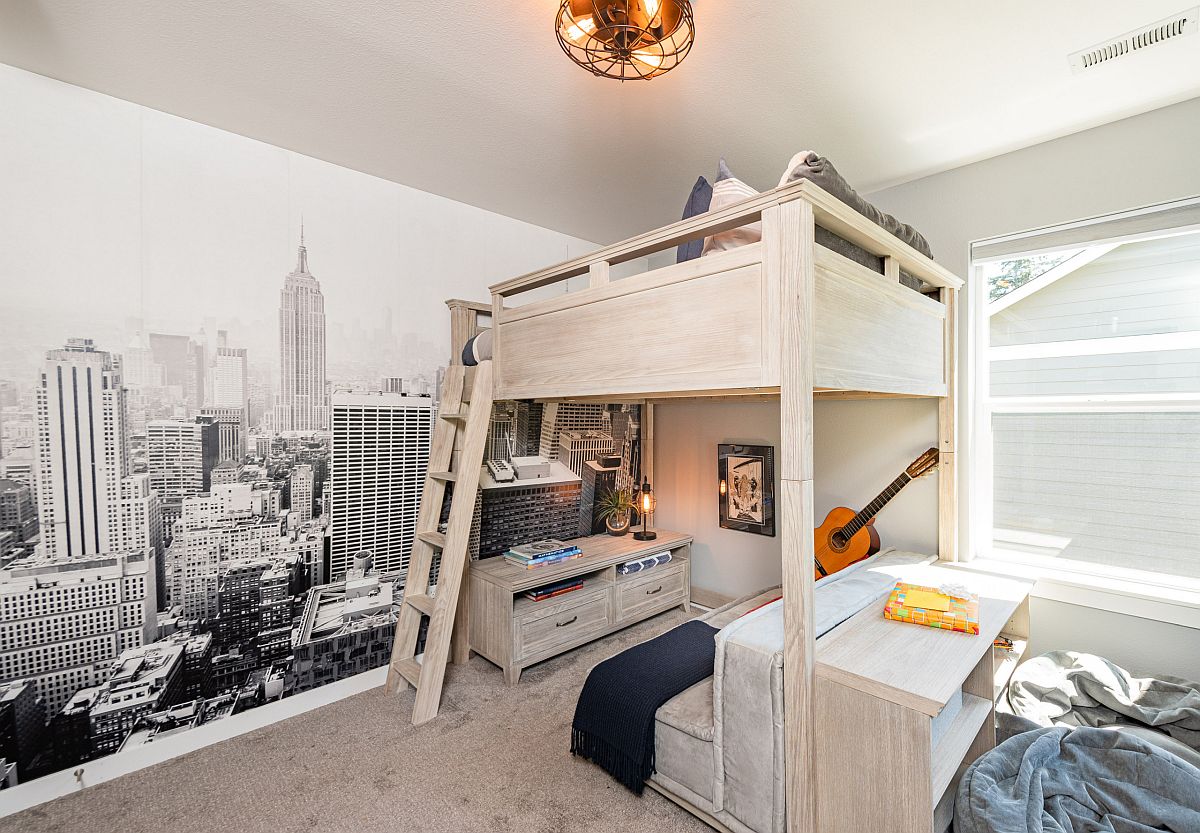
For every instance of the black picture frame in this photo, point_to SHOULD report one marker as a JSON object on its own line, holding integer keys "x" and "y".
{"x": 746, "y": 488}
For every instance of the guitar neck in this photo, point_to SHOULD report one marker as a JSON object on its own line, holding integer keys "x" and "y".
{"x": 872, "y": 509}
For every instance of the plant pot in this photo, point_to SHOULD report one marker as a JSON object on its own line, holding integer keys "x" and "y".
{"x": 617, "y": 526}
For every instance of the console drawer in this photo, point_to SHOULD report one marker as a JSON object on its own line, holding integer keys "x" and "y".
{"x": 659, "y": 587}
{"x": 540, "y": 632}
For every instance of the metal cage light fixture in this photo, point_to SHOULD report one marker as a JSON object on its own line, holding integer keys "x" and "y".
{"x": 629, "y": 40}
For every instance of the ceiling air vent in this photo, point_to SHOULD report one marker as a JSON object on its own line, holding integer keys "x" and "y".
{"x": 1169, "y": 28}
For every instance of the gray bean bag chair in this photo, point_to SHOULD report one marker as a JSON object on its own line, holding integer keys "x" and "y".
{"x": 1081, "y": 780}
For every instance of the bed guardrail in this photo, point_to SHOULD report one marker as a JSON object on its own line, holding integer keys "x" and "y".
{"x": 828, "y": 212}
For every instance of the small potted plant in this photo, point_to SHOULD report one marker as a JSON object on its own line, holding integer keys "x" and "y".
{"x": 615, "y": 509}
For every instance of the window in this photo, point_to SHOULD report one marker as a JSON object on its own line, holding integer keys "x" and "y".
{"x": 1086, "y": 396}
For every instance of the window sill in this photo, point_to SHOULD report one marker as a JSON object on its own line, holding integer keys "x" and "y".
{"x": 1131, "y": 594}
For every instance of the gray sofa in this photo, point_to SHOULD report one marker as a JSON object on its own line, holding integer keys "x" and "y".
{"x": 719, "y": 744}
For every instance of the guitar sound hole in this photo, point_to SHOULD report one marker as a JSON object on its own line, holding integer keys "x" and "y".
{"x": 837, "y": 540}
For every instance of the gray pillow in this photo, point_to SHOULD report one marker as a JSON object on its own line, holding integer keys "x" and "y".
{"x": 697, "y": 203}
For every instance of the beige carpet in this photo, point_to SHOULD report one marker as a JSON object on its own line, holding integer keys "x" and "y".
{"x": 496, "y": 758}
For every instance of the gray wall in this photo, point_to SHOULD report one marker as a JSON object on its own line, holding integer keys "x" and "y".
{"x": 853, "y": 461}
{"x": 1143, "y": 647}
{"x": 1138, "y": 161}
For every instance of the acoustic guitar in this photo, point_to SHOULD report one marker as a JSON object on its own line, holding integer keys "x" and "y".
{"x": 847, "y": 536}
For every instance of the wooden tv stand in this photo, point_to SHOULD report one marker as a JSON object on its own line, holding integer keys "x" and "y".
{"x": 515, "y": 632}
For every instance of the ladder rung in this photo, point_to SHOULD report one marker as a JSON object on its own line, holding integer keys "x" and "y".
{"x": 409, "y": 669}
{"x": 443, "y": 475}
{"x": 421, "y": 601}
{"x": 433, "y": 538}
{"x": 460, "y": 416}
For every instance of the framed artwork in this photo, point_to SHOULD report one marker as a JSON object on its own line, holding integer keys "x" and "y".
{"x": 746, "y": 488}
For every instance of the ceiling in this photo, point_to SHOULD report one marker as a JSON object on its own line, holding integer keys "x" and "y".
{"x": 475, "y": 101}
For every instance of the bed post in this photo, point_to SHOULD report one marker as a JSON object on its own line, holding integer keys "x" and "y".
{"x": 947, "y": 435}
{"x": 788, "y": 259}
{"x": 464, "y": 325}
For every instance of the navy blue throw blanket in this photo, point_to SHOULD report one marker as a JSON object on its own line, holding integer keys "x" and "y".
{"x": 614, "y": 719}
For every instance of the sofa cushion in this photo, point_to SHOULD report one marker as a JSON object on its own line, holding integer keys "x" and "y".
{"x": 748, "y": 708}
{"x": 682, "y": 757}
{"x": 690, "y": 712}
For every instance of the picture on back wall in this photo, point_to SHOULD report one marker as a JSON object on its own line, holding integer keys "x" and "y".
{"x": 746, "y": 488}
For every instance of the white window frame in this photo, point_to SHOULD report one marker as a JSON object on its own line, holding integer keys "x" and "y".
{"x": 1142, "y": 593}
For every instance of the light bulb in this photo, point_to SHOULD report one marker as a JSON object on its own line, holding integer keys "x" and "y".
{"x": 578, "y": 30}
{"x": 648, "y": 58}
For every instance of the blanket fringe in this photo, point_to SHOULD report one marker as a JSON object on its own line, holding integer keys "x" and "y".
{"x": 630, "y": 772}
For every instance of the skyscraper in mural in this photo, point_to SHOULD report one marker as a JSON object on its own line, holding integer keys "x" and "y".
{"x": 380, "y": 453}
{"x": 230, "y": 388}
{"x": 89, "y": 501}
{"x": 303, "y": 395}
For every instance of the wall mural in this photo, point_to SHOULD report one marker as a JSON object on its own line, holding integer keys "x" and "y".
{"x": 218, "y": 360}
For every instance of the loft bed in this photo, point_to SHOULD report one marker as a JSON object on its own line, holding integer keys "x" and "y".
{"x": 716, "y": 325}
{"x": 785, "y": 320}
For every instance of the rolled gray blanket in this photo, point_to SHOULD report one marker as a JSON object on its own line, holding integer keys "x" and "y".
{"x": 811, "y": 166}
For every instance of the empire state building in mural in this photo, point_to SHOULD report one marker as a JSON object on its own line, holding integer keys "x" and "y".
{"x": 303, "y": 397}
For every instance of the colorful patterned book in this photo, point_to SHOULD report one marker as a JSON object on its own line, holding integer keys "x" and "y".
{"x": 931, "y": 607}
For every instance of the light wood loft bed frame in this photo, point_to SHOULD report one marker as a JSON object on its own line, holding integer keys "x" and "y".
{"x": 783, "y": 319}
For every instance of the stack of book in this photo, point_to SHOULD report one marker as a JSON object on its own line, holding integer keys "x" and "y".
{"x": 551, "y": 590}
{"x": 539, "y": 553}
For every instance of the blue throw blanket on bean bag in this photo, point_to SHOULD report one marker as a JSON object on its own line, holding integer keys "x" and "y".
{"x": 1082, "y": 780}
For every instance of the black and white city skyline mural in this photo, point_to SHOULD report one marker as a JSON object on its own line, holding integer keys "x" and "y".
{"x": 201, "y": 336}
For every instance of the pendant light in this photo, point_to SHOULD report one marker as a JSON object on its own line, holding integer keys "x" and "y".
{"x": 627, "y": 40}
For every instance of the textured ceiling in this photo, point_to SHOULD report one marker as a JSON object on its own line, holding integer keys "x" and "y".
{"x": 476, "y": 102}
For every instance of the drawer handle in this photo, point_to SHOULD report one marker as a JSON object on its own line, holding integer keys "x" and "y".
{"x": 568, "y": 622}
{"x": 655, "y": 590}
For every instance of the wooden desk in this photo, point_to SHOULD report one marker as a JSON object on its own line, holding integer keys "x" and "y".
{"x": 515, "y": 632}
{"x": 903, "y": 709}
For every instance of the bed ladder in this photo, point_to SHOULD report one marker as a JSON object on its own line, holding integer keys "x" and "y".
{"x": 464, "y": 416}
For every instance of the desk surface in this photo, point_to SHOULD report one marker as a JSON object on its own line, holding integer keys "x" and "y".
{"x": 916, "y": 666}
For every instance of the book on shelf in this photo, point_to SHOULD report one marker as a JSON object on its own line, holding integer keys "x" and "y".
{"x": 541, "y": 562}
{"x": 549, "y": 591}
{"x": 542, "y": 549}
